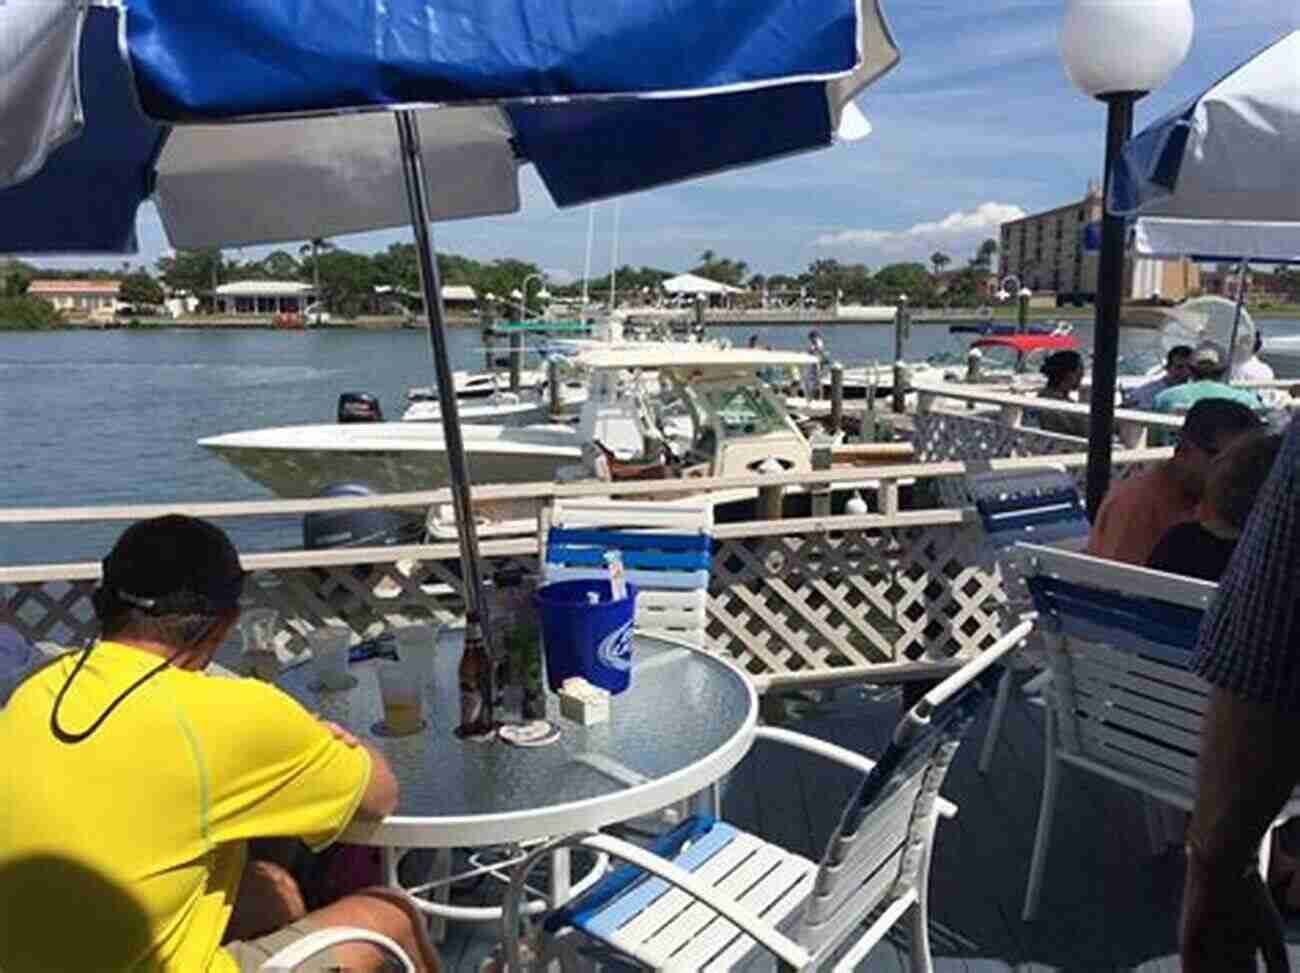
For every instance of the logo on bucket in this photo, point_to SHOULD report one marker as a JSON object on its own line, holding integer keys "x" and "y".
{"x": 615, "y": 649}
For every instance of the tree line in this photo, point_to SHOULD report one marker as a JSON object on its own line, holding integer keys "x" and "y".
{"x": 346, "y": 281}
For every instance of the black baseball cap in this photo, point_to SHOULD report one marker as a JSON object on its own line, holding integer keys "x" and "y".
{"x": 174, "y": 565}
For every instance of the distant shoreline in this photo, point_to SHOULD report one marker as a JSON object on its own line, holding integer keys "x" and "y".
{"x": 820, "y": 319}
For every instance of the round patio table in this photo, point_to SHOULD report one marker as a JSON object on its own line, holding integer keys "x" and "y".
{"x": 685, "y": 721}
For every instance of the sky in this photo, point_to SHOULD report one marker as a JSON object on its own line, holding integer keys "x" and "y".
{"x": 977, "y": 124}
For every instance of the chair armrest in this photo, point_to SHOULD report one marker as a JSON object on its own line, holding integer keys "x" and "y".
{"x": 784, "y": 948}
{"x": 840, "y": 755}
{"x": 295, "y": 954}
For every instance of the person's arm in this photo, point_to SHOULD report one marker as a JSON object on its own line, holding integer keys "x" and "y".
{"x": 1248, "y": 764}
{"x": 1246, "y": 771}
{"x": 380, "y": 797}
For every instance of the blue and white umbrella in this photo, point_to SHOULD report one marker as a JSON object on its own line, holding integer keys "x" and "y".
{"x": 600, "y": 98}
{"x": 1216, "y": 178}
{"x": 259, "y": 121}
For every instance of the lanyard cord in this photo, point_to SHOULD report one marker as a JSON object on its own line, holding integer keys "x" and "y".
{"x": 63, "y": 735}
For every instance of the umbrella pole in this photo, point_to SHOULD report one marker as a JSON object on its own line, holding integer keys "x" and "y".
{"x": 408, "y": 132}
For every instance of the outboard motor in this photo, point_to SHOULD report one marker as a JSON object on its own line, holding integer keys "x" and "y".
{"x": 359, "y": 407}
{"x": 357, "y": 528}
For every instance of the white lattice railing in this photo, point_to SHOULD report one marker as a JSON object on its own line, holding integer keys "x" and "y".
{"x": 883, "y": 596}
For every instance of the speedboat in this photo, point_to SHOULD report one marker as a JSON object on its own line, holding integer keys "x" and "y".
{"x": 660, "y": 410}
{"x": 303, "y": 460}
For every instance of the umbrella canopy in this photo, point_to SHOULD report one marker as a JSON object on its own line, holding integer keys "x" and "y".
{"x": 540, "y": 82}
{"x": 1217, "y": 240}
{"x": 1230, "y": 154}
{"x": 691, "y": 284}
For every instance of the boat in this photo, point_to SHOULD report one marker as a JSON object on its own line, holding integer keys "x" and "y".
{"x": 1009, "y": 328}
{"x": 658, "y": 411}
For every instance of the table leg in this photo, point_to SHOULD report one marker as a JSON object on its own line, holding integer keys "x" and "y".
{"x": 441, "y": 894}
{"x": 560, "y": 878}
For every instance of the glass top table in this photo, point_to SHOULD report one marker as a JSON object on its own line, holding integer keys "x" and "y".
{"x": 686, "y": 720}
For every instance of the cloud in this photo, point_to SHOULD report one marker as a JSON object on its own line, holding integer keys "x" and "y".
{"x": 955, "y": 228}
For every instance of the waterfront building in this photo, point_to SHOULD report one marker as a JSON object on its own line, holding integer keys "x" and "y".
{"x": 90, "y": 298}
{"x": 1057, "y": 251}
{"x": 264, "y": 297}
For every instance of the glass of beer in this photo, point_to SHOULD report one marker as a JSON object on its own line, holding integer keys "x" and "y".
{"x": 403, "y": 706}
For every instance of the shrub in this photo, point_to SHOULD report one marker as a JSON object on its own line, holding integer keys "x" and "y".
{"x": 24, "y": 313}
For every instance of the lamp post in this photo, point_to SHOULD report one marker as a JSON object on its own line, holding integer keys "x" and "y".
{"x": 521, "y": 295}
{"x": 1022, "y": 319}
{"x": 1004, "y": 293}
{"x": 1116, "y": 51}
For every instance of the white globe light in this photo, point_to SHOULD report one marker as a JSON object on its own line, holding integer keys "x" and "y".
{"x": 1114, "y": 46}
{"x": 516, "y": 294}
{"x": 1002, "y": 295}
{"x": 543, "y": 294}
{"x": 1026, "y": 292}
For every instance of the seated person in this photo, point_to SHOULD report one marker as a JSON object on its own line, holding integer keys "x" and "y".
{"x": 1138, "y": 510}
{"x": 1177, "y": 371}
{"x": 1202, "y": 548}
{"x": 1209, "y": 365}
{"x": 1254, "y": 368}
{"x": 143, "y": 780}
{"x": 1064, "y": 371}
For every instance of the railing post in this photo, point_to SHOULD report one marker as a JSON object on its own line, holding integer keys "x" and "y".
{"x": 770, "y": 502}
{"x": 554, "y": 386}
{"x": 516, "y": 360}
{"x": 821, "y": 492}
{"x": 1012, "y": 415}
{"x": 837, "y": 397}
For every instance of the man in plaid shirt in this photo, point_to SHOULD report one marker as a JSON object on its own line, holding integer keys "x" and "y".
{"x": 1249, "y": 651}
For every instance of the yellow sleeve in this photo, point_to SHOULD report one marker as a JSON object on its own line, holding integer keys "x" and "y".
{"x": 275, "y": 771}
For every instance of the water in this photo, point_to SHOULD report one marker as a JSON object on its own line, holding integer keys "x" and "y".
{"x": 111, "y": 417}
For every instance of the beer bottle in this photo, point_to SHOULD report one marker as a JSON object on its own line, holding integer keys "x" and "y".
{"x": 475, "y": 678}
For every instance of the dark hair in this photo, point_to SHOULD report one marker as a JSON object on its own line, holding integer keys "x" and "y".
{"x": 1259, "y": 340}
{"x": 1209, "y": 419}
{"x": 1059, "y": 364}
{"x": 1177, "y": 351}
{"x": 1238, "y": 475}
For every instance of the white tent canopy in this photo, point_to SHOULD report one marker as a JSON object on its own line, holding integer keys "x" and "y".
{"x": 691, "y": 284}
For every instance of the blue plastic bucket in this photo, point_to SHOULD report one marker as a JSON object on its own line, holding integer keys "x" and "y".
{"x": 582, "y": 639}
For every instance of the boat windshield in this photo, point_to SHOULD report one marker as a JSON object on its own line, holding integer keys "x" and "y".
{"x": 740, "y": 410}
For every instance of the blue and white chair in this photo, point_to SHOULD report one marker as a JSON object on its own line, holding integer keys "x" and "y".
{"x": 1124, "y": 705}
{"x": 709, "y": 896}
{"x": 666, "y": 550}
{"x": 1039, "y": 505}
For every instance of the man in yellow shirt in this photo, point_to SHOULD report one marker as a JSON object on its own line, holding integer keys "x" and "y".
{"x": 133, "y": 781}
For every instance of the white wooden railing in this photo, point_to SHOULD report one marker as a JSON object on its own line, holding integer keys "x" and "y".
{"x": 878, "y": 597}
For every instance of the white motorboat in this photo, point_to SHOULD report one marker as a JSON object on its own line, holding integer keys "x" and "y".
{"x": 502, "y": 407}
{"x": 301, "y": 461}
{"x": 658, "y": 411}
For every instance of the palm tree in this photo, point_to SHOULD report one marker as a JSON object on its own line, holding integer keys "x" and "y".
{"x": 311, "y": 247}
{"x": 940, "y": 260}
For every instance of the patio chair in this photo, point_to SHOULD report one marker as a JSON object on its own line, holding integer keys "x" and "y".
{"x": 666, "y": 549}
{"x": 1039, "y": 505}
{"x": 709, "y": 896}
{"x": 295, "y": 954}
{"x": 1123, "y": 703}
